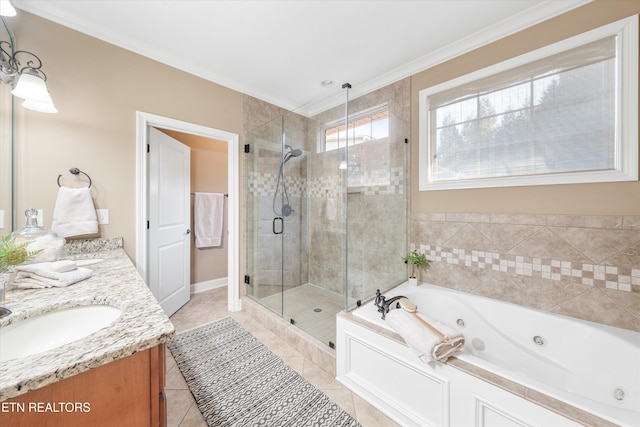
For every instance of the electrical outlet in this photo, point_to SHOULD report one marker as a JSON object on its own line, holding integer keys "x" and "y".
{"x": 103, "y": 216}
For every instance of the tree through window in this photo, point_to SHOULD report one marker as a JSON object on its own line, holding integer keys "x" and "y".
{"x": 557, "y": 114}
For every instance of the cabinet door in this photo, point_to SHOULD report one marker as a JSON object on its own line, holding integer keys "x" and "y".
{"x": 122, "y": 393}
{"x": 158, "y": 398}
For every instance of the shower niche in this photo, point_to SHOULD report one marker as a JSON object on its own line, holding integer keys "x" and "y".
{"x": 327, "y": 208}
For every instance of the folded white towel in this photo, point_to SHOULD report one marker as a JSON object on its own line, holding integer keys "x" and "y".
{"x": 49, "y": 274}
{"x": 74, "y": 213}
{"x": 425, "y": 343}
{"x": 208, "y": 216}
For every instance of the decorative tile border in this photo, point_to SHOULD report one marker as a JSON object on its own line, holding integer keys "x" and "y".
{"x": 264, "y": 184}
{"x": 605, "y": 276}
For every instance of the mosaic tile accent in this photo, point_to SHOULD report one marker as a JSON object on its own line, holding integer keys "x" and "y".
{"x": 395, "y": 179}
{"x": 264, "y": 184}
{"x": 552, "y": 269}
{"x": 583, "y": 266}
{"x": 319, "y": 187}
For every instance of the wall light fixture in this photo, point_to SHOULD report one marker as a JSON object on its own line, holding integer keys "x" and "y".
{"x": 6, "y": 8}
{"x": 22, "y": 70}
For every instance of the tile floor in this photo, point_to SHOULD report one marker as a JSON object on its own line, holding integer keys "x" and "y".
{"x": 210, "y": 306}
{"x": 313, "y": 309}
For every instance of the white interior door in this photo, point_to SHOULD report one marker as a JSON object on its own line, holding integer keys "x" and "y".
{"x": 169, "y": 220}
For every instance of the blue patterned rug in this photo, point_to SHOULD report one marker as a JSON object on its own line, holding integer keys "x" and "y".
{"x": 238, "y": 381}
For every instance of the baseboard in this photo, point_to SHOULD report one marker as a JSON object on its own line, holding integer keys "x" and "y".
{"x": 208, "y": 285}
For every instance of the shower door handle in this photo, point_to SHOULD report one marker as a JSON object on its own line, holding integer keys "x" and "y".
{"x": 275, "y": 231}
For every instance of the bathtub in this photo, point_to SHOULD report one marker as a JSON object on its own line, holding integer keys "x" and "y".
{"x": 592, "y": 367}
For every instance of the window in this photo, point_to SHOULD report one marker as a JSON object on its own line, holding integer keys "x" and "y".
{"x": 566, "y": 113}
{"x": 363, "y": 127}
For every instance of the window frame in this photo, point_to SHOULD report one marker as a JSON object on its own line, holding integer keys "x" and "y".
{"x": 626, "y": 126}
{"x": 369, "y": 112}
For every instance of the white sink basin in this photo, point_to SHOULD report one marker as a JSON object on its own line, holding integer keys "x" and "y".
{"x": 51, "y": 330}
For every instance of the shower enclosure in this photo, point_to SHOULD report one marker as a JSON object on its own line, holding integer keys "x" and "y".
{"x": 327, "y": 211}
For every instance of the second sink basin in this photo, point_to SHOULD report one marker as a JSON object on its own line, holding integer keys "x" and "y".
{"x": 51, "y": 330}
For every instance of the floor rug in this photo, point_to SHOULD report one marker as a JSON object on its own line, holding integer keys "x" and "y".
{"x": 237, "y": 381}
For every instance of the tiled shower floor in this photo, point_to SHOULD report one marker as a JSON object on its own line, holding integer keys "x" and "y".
{"x": 312, "y": 308}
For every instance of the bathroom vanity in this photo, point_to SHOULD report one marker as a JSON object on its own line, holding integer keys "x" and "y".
{"x": 113, "y": 376}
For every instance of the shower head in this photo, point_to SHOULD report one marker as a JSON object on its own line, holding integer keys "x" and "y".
{"x": 295, "y": 152}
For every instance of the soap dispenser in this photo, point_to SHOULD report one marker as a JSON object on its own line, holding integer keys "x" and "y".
{"x": 46, "y": 241}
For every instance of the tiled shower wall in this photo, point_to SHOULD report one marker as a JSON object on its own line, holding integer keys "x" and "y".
{"x": 586, "y": 267}
{"x": 275, "y": 259}
{"x": 373, "y": 221}
{"x": 376, "y": 199}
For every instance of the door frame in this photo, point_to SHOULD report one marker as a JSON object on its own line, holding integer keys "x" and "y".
{"x": 143, "y": 122}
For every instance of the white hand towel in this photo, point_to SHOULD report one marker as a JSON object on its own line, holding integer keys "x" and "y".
{"x": 330, "y": 209}
{"x": 425, "y": 343}
{"x": 49, "y": 274}
{"x": 208, "y": 216}
{"x": 74, "y": 213}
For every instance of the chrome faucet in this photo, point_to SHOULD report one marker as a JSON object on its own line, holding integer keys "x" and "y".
{"x": 383, "y": 305}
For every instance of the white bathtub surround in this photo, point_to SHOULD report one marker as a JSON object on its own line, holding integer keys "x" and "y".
{"x": 519, "y": 367}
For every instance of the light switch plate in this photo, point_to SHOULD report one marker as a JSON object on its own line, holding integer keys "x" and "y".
{"x": 103, "y": 216}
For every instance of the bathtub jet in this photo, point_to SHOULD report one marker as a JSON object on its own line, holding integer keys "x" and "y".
{"x": 587, "y": 365}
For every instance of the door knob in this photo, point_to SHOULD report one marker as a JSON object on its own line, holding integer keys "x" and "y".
{"x": 188, "y": 231}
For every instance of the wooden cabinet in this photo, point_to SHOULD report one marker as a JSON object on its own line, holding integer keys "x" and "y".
{"x": 125, "y": 392}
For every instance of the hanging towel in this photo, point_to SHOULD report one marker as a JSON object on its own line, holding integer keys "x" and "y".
{"x": 425, "y": 343}
{"x": 74, "y": 213}
{"x": 49, "y": 274}
{"x": 330, "y": 209}
{"x": 208, "y": 216}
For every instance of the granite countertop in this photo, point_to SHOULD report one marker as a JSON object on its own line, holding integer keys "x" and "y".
{"x": 115, "y": 282}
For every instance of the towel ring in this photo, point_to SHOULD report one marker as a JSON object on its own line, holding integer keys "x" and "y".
{"x": 75, "y": 171}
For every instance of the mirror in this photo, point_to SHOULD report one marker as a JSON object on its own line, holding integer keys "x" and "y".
{"x": 6, "y": 144}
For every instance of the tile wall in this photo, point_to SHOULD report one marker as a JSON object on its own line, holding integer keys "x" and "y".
{"x": 586, "y": 267}
{"x": 372, "y": 219}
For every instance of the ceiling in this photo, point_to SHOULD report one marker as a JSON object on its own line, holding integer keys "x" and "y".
{"x": 281, "y": 51}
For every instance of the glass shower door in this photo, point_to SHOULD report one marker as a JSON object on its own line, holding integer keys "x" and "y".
{"x": 265, "y": 223}
{"x": 376, "y": 187}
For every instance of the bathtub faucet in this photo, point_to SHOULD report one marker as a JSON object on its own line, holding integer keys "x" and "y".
{"x": 383, "y": 305}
